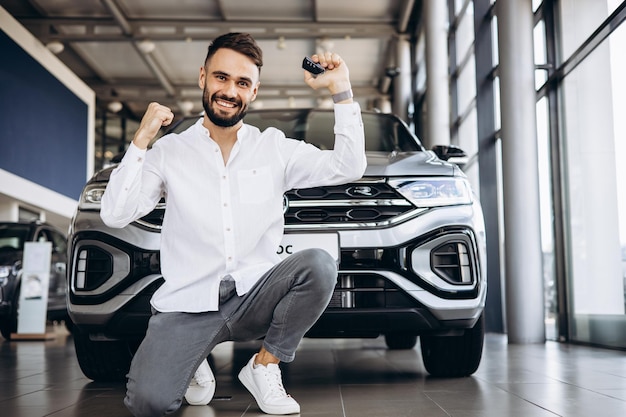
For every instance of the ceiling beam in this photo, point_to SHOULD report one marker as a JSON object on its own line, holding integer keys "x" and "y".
{"x": 127, "y": 30}
{"x": 147, "y": 93}
{"x": 90, "y": 29}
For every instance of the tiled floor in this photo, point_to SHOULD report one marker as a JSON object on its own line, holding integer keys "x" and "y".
{"x": 334, "y": 378}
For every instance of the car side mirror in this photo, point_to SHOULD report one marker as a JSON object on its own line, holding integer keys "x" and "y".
{"x": 451, "y": 153}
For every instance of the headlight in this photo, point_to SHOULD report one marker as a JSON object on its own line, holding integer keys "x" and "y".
{"x": 434, "y": 192}
{"x": 5, "y": 271}
{"x": 91, "y": 197}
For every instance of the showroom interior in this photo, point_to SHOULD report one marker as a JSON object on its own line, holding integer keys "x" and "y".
{"x": 531, "y": 90}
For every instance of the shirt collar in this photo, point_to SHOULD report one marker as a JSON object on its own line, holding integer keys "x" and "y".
{"x": 242, "y": 133}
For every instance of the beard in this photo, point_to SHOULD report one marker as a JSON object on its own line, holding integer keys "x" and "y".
{"x": 215, "y": 117}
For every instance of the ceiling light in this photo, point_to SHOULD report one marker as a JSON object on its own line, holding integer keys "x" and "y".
{"x": 186, "y": 106}
{"x": 281, "y": 43}
{"x": 55, "y": 47}
{"x": 146, "y": 46}
{"x": 115, "y": 106}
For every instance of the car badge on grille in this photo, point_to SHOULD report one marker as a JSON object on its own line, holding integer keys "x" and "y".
{"x": 361, "y": 190}
{"x": 285, "y": 204}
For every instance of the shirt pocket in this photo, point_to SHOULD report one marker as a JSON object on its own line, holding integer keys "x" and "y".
{"x": 255, "y": 185}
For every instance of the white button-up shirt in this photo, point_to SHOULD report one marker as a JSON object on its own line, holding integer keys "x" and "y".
{"x": 224, "y": 221}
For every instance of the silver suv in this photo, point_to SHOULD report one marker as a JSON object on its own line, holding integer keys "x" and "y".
{"x": 409, "y": 238}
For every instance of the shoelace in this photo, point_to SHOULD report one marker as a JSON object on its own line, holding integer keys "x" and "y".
{"x": 274, "y": 382}
{"x": 201, "y": 379}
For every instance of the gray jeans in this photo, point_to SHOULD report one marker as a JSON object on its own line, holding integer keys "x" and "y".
{"x": 281, "y": 307}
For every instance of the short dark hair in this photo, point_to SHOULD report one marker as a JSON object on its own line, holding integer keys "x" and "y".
{"x": 243, "y": 43}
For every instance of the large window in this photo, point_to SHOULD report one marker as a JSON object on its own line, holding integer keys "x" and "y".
{"x": 463, "y": 86}
{"x": 581, "y": 102}
{"x": 543, "y": 66}
{"x": 593, "y": 104}
{"x": 113, "y": 134}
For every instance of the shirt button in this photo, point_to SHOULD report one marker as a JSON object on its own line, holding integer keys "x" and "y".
{"x": 228, "y": 229}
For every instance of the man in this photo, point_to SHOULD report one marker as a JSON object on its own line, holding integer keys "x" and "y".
{"x": 223, "y": 183}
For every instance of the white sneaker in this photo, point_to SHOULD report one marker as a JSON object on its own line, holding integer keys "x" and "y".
{"x": 266, "y": 386}
{"x": 202, "y": 386}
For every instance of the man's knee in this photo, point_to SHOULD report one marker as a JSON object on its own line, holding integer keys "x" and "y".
{"x": 322, "y": 266}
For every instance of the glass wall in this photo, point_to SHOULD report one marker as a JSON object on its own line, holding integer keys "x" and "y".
{"x": 543, "y": 67}
{"x": 474, "y": 127}
{"x": 581, "y": 134}
{"x": 463, "y": 80}
{"x": 113, "y": 133}
{"x": 581, "y": 100}
{"x": 593, "y": 103}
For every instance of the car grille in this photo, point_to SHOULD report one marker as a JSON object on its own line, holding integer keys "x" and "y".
{"x": 367, "y": 291}
{"x": 364, "y": 204}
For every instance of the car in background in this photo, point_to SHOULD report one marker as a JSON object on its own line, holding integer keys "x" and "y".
{"x": 13, "y": 236}
{"x": 409, "y": 238}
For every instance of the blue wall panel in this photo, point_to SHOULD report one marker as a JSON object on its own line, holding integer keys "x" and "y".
{"x": 43, "y": 125}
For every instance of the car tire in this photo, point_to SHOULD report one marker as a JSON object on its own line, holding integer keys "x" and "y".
{"x": 454, "y": 356}
{"x": 399, "y": 341}
{"x": 8, "y": 325}
{"x": 107, "y": 361}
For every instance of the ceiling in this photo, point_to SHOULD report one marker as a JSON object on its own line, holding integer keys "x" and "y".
{"x": 137, "y": 51}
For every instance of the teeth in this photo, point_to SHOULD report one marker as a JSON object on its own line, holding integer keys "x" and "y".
{"x": 225, "y": 103}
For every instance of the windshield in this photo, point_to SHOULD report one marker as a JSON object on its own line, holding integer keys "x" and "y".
{"x": 13, "y": 236}
{"x": 383, "y": 132}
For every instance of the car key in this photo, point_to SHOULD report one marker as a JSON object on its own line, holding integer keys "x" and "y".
{"x": 313, "y": 67}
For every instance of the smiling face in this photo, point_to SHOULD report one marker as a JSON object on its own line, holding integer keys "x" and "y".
{"x": 229, "y": 82}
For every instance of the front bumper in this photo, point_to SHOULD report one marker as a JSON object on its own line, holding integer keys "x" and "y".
{"x": 388, "y": 280}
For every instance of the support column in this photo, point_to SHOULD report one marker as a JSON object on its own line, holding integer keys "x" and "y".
{"x": 402, "y": 86}
{"x": 437, "y": 85}
{"x": 523, "y": 258}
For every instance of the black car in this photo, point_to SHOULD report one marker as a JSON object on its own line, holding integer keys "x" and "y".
{"x": 409, "y": 238}
{"x": 13, "y": 236}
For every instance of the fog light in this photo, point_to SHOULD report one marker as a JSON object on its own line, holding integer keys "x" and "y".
{"x": 93, "y": 267}
{"x": 451, "y": 262}
{"x": 447, "y": 262}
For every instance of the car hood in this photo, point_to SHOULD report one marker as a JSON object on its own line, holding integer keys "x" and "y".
{"x": 382, "y": 164}
{"x": 379, "y": 164}
{"x": 10, "y": 257}
{"x": 103, "y": 175}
